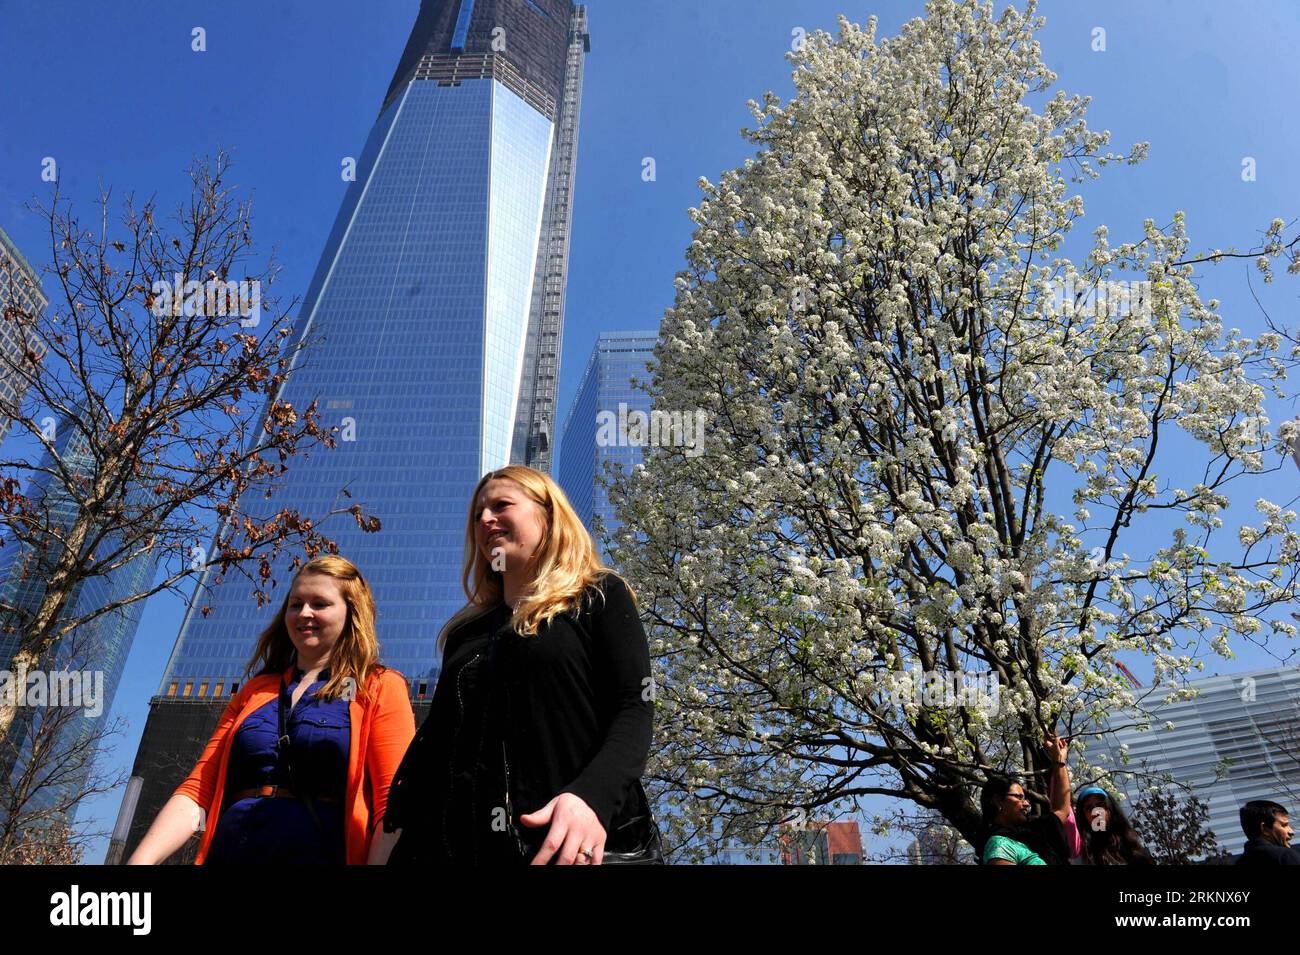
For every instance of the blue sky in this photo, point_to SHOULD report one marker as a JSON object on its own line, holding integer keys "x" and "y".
{"x": 116, "y": 95}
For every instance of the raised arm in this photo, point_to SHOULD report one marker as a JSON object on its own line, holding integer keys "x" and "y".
{"x": 1059, "y": 781}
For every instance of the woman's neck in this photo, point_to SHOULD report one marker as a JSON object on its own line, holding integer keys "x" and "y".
{"x": 310, "y": 667}
{"x": 513, "y": 587}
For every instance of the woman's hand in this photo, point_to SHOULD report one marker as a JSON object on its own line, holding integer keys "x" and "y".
{"x": 574, "y": 827}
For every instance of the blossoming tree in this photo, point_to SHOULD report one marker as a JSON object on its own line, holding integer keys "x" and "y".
{"x": 935, "y": 443}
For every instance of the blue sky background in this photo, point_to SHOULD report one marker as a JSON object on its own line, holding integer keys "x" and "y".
{"x": 116, "y": 95}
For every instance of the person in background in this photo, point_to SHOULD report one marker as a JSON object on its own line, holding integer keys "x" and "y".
{"x": 298, "y": 769}
{"x": 1267, "y": 826}
{"x": 1012, "y": 836}
{"x": 1106, "y": 836}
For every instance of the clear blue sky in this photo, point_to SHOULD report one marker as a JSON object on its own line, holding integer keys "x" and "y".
{"x": 115, "y": 94}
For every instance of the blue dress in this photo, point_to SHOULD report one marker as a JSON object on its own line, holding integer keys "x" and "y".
{"x": 274, "y": 830}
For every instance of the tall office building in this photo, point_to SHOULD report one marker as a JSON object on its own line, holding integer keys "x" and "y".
{"x": 99, "y": 648}
{"x": 1237, "y": 740}
{"x": 438, "y": 307}
{"x": 606, "y": 390}
{"x": 20, "y": 289}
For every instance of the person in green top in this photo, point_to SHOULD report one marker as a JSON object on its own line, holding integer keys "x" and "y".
{"x": 1012, "y": 836}
{"x": 1003, "y": 850}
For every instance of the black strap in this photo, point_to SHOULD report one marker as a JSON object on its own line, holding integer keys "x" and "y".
{"x": 284, "y": 761}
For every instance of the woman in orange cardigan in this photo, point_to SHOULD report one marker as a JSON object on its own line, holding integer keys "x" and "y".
{"x": 319, "y": 797}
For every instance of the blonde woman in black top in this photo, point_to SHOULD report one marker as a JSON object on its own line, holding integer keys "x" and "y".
{"x": 540, "y": 725}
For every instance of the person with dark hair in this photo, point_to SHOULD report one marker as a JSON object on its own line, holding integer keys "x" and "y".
{"x": 1267, "y": 826}
{"x": 1105, "y": 834}
{"x": 1011, "y": 836}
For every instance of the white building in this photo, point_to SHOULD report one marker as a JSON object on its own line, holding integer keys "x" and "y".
{"x": 1237, "y": 740}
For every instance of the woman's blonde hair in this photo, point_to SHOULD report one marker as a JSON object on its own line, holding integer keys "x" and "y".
{"x": 567, "y": 570}
{"x": 356, "y": 654}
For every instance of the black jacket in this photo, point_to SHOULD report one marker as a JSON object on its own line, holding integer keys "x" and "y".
{"x": 1259, "y": 852}
{"x": 574, "y": 711}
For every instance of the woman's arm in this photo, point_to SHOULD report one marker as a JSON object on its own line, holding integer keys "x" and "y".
{"x": 622, "y": 664}
{"x": 1059, "y": 786}
{"x": 179, "y": 819}
{"x": 381, "y": 846}
{"x": 579, "y": 815}
{"x": 391, "y": 730}
{"x": 184, "y": 814}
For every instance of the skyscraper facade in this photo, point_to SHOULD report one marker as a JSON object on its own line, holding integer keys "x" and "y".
{"x": 606, "y": 392}
{"x": 435, "y": 314}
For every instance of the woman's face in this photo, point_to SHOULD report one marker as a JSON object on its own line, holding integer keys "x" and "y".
{"x": 315, "y": 617}
{"x": 508, "y": 525}
{"x": 1015, "y": 806}
{"x": 1095, "y": 813}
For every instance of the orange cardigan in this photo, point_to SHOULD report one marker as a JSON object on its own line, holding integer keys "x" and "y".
{"x": 383, "y": 725}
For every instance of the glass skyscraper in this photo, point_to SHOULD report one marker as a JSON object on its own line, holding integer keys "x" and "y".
{"x": 619, "y": 359}
{"x": 436, "y": 312}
